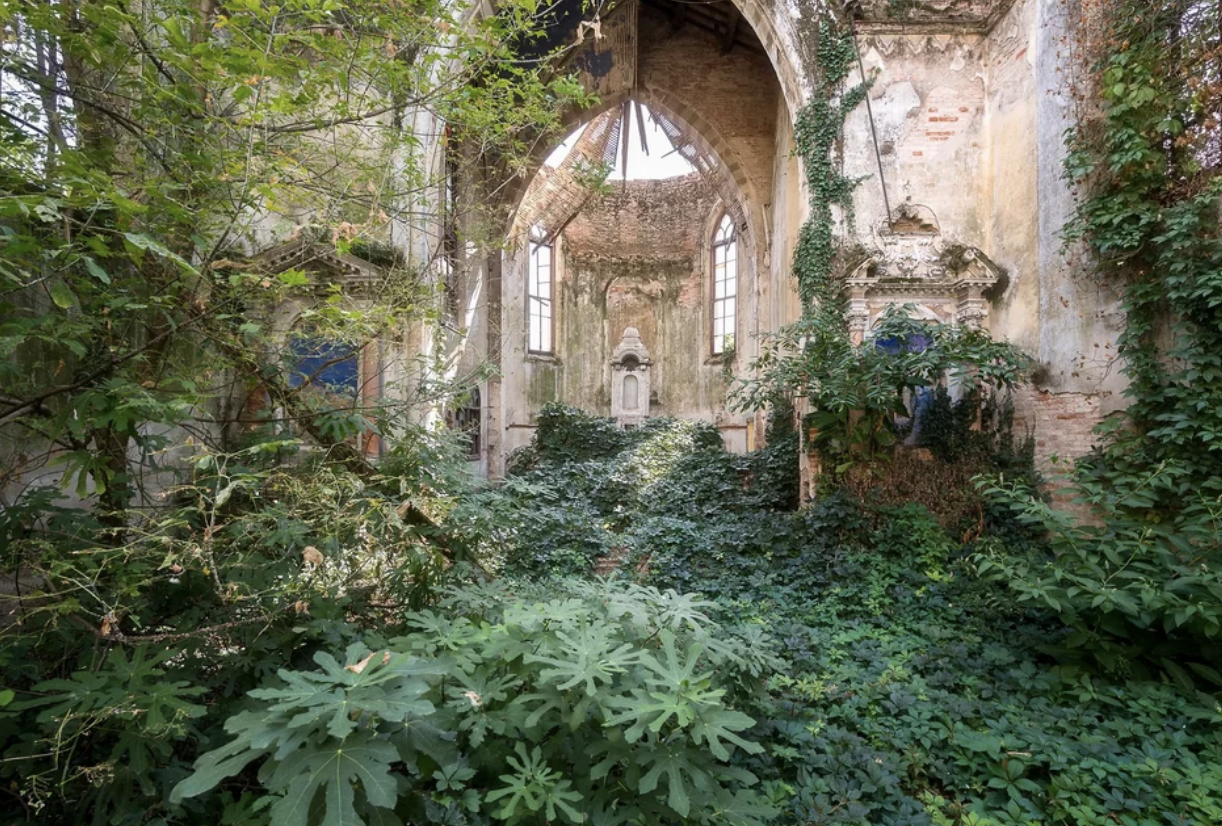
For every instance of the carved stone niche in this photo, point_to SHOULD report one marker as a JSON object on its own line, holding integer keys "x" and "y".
{"x": 630, "y": 365}
{"x": 912, "y": 263}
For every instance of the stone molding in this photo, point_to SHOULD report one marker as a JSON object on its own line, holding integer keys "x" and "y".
{"x": 913, "y": 263}
{"x": 630, "y": 390}
{"x": 357, "y": 274}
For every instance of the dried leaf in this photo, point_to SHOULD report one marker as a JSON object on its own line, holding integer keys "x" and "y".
{"x": 357, "y": 668}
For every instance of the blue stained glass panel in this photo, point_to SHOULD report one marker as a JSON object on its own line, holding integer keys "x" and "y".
{"x": 894, "y": 345}
{"x": 333, "y": 365}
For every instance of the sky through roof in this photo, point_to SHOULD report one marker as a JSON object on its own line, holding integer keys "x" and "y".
{"x": 662, "y": 161}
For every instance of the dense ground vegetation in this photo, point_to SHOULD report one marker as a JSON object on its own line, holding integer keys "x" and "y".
{"x": 747, "y": 662}
{"x": 909, "y": 690}
{"x": 289, "y": 634}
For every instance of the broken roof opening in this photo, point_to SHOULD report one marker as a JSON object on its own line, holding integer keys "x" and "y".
{"x": 649, "y": 141}
{"x": 651, "y": 151}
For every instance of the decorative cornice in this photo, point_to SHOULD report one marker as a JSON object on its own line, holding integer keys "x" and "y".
{"x": 915, "y": 263}
{"x": 981, "y": 23}
{"x": 310, "y": 256}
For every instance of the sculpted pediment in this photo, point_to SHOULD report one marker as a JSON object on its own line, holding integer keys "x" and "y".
{"x": 911, "y": 262}
{"x": 316, "y": 258}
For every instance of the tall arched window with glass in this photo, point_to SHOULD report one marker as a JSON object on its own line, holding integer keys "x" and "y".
{"x": 725, "y": 286}
{"x": 539, "y": 296}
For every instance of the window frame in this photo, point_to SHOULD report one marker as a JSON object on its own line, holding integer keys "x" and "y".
{"x": 468, "y": 420}
{"x": 545, "y": 300}
{"x": 725, "y": 238}
{"x": 368, "y": 379}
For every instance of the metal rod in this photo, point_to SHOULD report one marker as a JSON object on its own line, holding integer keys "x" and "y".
{"x": 861, "y": 66}
{"x": 640, "y": 125}
{"x": 625, "y": 126}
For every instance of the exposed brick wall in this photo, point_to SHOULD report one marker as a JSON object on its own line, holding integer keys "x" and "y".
{"x": 644, "y": 219}
{"x": 1062, "y": 424}
{"x": 555, "y": 194}
{"x": 725, "y": 101}
{"x": 734, "y": 93}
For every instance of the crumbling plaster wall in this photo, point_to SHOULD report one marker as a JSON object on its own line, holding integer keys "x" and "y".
{"x": 652, "y": 263}
{"x": 929, "y": 112}
{"x": 1011, "y": 235}
{"x": 971, "y": 125}
{"x": 970, "y": 120}
{"x": 787, "y": 209}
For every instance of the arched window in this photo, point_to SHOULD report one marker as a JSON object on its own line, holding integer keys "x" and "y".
{"x": 725, "y": 286}
{"x": 467, "y": 421}
{"x": 539, "y": 296}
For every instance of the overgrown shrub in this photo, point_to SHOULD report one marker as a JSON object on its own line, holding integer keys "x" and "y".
{"x": 912, "y": 691}
{"x": 567, "y": 434}
{"x": 857, "y": 392}
{"x": 123, "y": 656}
{"x": 1139, "y": 592}
{"x": 593, "y": 702}
{"x": 532, "y": 526}
{"x": 584, "y": 489}
{"x": 962, "y": 439}
{"x": 922, "y": 720}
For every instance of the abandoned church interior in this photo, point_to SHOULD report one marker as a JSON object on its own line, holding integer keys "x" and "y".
{"x": 611, "y": 412}
{"x": 631, "y": 268}
{"x": 644, "y": 297}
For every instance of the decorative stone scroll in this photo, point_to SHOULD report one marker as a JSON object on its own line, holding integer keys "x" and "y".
{"x": 912, "y": 263}
{"x": 630, "y": 365}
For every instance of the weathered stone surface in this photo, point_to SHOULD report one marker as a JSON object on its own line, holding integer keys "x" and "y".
{"x": 969, "y": 117}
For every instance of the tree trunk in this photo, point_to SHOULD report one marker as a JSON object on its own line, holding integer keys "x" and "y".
{"x": 114, "y": 479}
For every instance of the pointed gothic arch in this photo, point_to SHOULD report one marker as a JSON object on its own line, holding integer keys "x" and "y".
{"x": 735, "y": 187}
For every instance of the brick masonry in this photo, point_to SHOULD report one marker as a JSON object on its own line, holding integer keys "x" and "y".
{"x": 1062, "y": 423}
{"x": 644, "y": 220}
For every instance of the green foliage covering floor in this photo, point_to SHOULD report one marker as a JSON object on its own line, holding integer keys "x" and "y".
{"x": 331, "y": 663}
{"x": 912, "y": 691}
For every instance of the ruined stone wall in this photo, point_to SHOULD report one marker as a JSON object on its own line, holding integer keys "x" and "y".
{"x": 1049, "y": 306}
{"x": 649, "y": 257}
{"x": 970, "y": 122}
{"x": 929, "y": 113}
{"x": 1061, "y": 423}
{"x": 1011, "y": 186}
{"x": 636, "y": 258}
{"x": 643, "y": 220}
